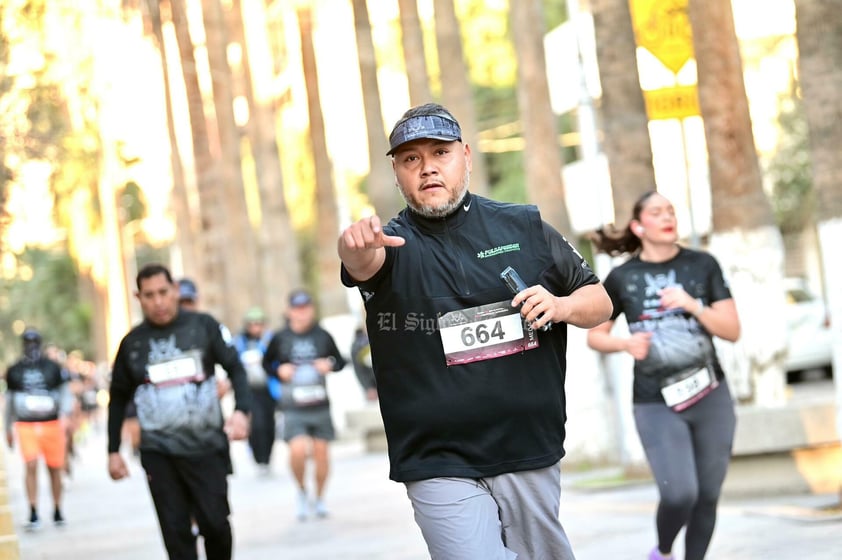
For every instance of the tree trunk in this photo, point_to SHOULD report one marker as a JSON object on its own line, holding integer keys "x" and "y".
{"x": 542, "y": 152}
{"x": 278, "y": 260}
{"x": 819, "y": 31}
{"x": 240, "y": 250}
{"x": 186, "y": 229}
{"x": 456, "y": 90}
{"x": 114, "y": 276}
{"x": 211, "y": 271}
{"x": 412, "y": 40}
{"x": 625, "y": 125}
{"x": 746, "y": 240}
{"x": 382, "y": 193}
{"x": 331, "y": 295}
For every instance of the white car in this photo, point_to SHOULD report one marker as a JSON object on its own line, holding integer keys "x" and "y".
{"x": 809, "y": 344}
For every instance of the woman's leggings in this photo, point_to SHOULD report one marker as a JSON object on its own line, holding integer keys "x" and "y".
{"x": 688, "y": 453}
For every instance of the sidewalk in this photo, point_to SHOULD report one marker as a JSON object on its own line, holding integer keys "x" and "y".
{"x": 371, "y": 517}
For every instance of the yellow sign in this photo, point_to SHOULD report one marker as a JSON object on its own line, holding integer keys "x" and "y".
{"x": 663, "y": 28}
{"x": 671, "y": 103}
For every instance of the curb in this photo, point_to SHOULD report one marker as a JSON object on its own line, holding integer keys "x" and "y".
{"x": 9, "y": 546}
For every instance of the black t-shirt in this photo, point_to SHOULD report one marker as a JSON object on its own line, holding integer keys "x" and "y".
{"x": 308, "y": 388}
{"x": 169, "y": 371}
{"x": 35, "y": 390}
{"x": 678, "y": 340}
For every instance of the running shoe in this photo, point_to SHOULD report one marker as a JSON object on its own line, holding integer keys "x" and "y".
{"x": 320, "y": 509}
{"x": 656, "y": 555}
{"x": 34, "y": 523}
{"x": 58, "y": 518}
{"x": 303, "y": 506}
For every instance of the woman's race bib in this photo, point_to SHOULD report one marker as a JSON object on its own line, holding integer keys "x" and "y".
{"x": 683, "y": 390}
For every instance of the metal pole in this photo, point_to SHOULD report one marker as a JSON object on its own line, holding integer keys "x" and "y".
{"x": 694, "y": 235}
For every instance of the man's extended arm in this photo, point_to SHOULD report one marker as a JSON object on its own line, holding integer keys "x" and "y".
{"x": 362, "y": 248}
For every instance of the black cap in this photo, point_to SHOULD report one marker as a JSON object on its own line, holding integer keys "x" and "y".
{"x": 187, "y": 289}
{"x": 436, "y": 126}
{"x": 300, "y": 298}
{"x": 31, "y": 335}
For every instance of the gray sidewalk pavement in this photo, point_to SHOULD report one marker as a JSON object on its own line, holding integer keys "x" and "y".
{"x": 371, "y": 517}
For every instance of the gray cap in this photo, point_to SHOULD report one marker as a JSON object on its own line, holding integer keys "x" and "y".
{"x": 437, "y": 126}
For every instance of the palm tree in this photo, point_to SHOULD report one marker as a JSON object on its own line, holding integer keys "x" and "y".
{"x": 746, "y": 240}
{"x": 412, "y": 40}
{"x": 381, "y": 189}
{"x": 456, "y": 91}
{"x": 210, "y": 273}
{"x": 625, "y": 125}
{"x": 278, "y": 260}
{"x": 186, "y": 228}
{"x": 819, "y": 51}
{"x": 542, "y": 152}
{"x": 240, "y": 247}
{"x": 331, "y": 294}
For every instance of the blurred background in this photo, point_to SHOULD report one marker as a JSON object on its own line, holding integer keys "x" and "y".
{"x": 233, "y": 139}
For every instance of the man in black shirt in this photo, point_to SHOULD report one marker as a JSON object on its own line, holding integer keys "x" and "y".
{"x": 470, "y": 383}
{"x": 166, "y": 365}
{"x": 301, "y": 355}
{"x": 38, "y": 407}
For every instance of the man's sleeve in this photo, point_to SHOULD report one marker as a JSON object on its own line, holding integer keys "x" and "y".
{"x": 333, "y": 351}
{"x": 570, "y": 271}
{"x": 270, "y": 356}
{"x": 119, "y": 394}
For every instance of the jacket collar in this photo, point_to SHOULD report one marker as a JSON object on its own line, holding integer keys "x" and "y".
{"x": 452, "y": 220}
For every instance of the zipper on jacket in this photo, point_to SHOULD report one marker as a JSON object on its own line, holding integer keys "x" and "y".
{"x": 466, "y": 290}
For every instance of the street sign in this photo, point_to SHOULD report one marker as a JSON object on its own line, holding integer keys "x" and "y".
{"x": 663, "y": 28}
{"x": 675, "y": 102}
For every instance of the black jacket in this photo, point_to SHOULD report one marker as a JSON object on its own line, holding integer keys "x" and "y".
{"x": 471, "y": 418}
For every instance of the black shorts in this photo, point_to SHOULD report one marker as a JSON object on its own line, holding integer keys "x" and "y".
{"x": 315, "y": 422}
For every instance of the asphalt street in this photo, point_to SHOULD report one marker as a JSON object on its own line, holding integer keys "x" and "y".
{"x": 370, "y": 516}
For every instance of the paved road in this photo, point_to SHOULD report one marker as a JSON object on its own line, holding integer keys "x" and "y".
{"x": 371, "y": 518}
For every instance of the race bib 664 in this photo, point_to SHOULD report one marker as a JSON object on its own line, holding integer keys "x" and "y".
{"x": 484, "y": 332}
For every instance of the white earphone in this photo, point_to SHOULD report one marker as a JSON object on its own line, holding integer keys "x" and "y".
{"x": 640, "y": 229}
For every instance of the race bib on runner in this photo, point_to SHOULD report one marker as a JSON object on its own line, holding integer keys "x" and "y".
{"x": 685, "y": 389}
{"x": 253, "y": 363}
{"x": 484, "y": 332}
{"x": 40, "y": 404}
{"x": 175, "y": 371}
{"x": 304, "y": 395}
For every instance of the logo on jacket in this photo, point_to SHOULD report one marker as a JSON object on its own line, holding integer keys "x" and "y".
{"x": 502, "y": 249}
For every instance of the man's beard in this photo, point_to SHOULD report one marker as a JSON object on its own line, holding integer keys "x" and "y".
{"x": 445, "y": 208}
